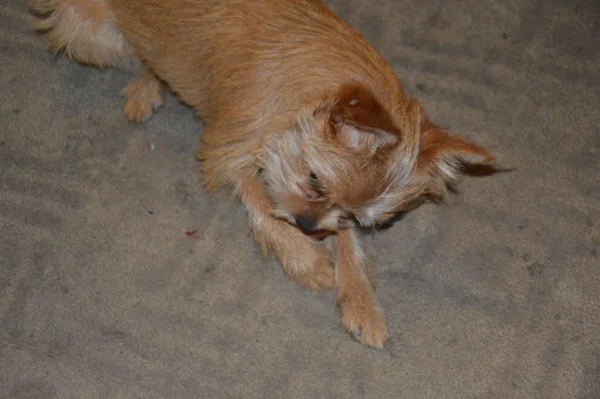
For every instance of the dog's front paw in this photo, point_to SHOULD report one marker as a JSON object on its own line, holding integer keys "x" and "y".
{"x": 312, "y": 267}
{"x": 363, "y": 319}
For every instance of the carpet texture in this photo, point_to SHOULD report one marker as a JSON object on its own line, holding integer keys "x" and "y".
{"x": 494, "y": 295}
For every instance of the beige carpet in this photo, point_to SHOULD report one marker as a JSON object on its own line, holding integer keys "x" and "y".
{"x": 494, "y": 295}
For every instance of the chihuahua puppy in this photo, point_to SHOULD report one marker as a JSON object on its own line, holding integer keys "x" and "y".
{"x": 304, "y": 121}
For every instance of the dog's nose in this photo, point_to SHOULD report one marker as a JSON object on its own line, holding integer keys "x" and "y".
{"x": 306, "y": 224}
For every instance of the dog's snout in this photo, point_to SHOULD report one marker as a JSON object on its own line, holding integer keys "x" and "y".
{"x": 306, "y": 224}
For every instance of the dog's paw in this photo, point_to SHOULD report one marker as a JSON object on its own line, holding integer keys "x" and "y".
{"x": 363, "y": 319}
{"x": 144, "y": 95}
{"x": 321, "y": 275}
{"x": 313, "y": 268}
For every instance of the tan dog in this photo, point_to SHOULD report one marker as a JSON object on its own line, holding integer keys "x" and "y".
{"x": 304, "y": 120}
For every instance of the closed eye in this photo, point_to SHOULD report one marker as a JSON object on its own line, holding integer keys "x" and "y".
{"x": 315, "y": 192}
{"x": 313, "y": 180}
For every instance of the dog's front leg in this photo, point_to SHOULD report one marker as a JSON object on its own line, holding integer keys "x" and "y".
{"x": 305, "y": 260}
{"x": 361, "y": 314}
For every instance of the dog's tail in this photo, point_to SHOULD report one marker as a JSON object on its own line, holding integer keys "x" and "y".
{"x": 83, "y": 29}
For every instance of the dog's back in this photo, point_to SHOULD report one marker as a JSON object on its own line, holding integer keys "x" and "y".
{"x": 210, "y": 51}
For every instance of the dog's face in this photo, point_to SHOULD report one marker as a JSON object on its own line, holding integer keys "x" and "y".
{"x": 351, "y": 162}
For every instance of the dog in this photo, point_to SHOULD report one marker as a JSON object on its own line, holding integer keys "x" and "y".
{"x": 305, "y": 122}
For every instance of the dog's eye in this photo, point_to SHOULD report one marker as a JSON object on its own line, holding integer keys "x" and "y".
{"x": 315, "y": 190}
{"x": 349, "y": 217}
{"x": 313, "y": 179}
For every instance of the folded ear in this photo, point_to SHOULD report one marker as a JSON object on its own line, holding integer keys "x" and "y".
{"x": 442, "y": 153}
{"x": 360, "y": 122}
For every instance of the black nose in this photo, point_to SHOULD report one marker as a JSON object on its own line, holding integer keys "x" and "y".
{"x": 306, "y": 224}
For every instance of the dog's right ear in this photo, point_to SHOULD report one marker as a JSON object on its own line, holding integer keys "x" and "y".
{"x": 360, "y": 122}
{"x": 443, "y": 153}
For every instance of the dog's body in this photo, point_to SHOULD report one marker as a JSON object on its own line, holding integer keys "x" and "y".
{"x": 304, "y": 120}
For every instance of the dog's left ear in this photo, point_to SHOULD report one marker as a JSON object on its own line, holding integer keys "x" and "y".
{"x": 444, "y": 153}
{"x": 360, "y": 122}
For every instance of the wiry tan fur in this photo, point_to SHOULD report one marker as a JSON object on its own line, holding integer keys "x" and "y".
{"x": 304, "y": 121}
{"x": 85, "y": 31}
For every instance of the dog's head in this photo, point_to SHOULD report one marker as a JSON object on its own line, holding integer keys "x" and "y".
{"x": 351, "y": 161}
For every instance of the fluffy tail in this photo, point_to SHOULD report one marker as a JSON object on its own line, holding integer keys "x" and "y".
{"x": 83, "y": 29}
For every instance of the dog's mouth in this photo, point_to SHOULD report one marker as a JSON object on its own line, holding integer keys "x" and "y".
{"x": 320, "y": 234}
